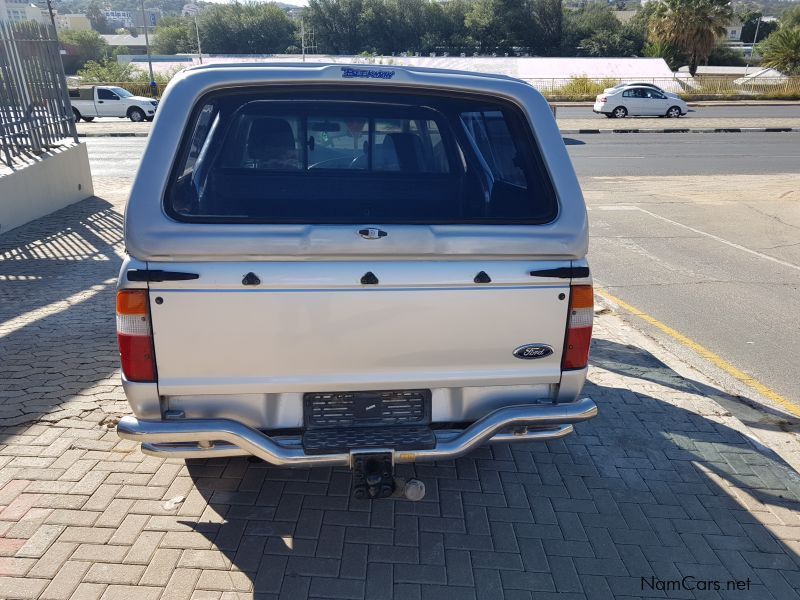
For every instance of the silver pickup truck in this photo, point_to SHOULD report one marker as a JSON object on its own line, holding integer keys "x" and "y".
{"x": 352, "y": 265}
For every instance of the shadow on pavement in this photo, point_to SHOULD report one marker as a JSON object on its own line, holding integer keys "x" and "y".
{"x": 57, "y": 332}
{"x": 647, "y": 489}
{"x": 630, "y": 361}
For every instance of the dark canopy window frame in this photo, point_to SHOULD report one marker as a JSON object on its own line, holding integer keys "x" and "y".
{"x": 465, "y": 191}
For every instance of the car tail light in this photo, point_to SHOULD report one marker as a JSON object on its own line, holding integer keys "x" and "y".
{"x": 135, "y": 336}
{"x": 579, "y": 327}
{"x": 602, "y": 99}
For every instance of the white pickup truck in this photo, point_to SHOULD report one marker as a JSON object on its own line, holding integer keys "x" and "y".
{"x": 352, "y": 265}
{"x": 93, "y": 101}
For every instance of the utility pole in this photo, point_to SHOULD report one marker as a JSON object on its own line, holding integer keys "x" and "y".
{"x": 197, "y": 31}
{"x": 755, "y": 39}
{"x": 52, "y": 17}
{"x": 153, "y": 87}
{"x": 192, "y": 10}
{"x": 309, "y": 46}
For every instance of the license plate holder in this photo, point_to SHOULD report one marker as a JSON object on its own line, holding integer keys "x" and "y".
{"x": 385, "y": 408}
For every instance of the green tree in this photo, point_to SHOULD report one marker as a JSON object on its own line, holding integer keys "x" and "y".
{"x": 448, "y": 32}
{"x": 549, "y": 17}
{"x": 337, "y": 25}
{"x": 781, "y": 51}
{"x": 585, "y": 22}
{"x": 671, "y": 55}
{"x": 640, "y": 22}
{"x": 245, "y": 28}
{"x": 174, "y": 35}
{"x": 110, "y": 71}
{"x": 397, "y": 26}
{"x": 791, "y": 17}
{"x": 499, "y": 25}
{"x": 750, "y": 21}
{"x": 693, "y": 26}
{"x": 607, "y": 43}
{"x": 724, "y": 56}
{"x": 86, "y": 45}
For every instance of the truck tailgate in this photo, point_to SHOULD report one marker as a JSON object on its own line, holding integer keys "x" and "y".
{"x": 312, "y": 326}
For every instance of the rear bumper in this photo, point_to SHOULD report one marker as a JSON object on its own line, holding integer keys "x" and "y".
{"x": 207, "y": 438}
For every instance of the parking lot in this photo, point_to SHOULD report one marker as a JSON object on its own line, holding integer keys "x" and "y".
{"x": 678, "y": 489}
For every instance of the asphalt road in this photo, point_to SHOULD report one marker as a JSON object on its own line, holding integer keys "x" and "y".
{"x": 723, "y": 269}
{"x": 732, "y": 112}
{"x": 684, "y": 234}
{"x": 605, "y": 154}
{"x": 114, "y": 156}
{"x": 594, "y": 155}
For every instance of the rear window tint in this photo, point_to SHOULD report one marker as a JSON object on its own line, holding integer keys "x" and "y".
{"x": 325, "y": 158}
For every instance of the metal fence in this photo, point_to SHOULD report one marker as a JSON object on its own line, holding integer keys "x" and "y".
{"x": 701, "y": 86}
{"x": 136, "y": 88}
{"x": 35, "y": 112}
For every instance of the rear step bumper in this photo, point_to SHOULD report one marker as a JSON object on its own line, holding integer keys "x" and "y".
{"x": 207, "y": 438}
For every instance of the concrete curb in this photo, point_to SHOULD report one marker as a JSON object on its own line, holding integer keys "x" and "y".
{"x": 686, "y": 130}
{"x": 563, "y": 131}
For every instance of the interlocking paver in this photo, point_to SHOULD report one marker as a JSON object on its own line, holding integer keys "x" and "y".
{"x": 181, "y": 584}
{"x": 21, "y": 587}
{"x": 114, "y": 574}
{"x": 64, "y": 583}
{"x": 661, "y": 484}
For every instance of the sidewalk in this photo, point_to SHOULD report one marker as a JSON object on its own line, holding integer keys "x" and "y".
{"x": 664, "y": 484}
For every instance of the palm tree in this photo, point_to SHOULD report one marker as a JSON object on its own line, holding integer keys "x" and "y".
{"x": 693, "y": 26}
{"x": 781, "y": 51}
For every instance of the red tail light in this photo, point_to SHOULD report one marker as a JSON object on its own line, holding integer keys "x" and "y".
{"x": 135, "y": 336}
{"x": 603, "y": 99}
{"x": 579, "y": 328}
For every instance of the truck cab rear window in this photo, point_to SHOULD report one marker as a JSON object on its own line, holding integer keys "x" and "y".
{"x": 327, "y": 158}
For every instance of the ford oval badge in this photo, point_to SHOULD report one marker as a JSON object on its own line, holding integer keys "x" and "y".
{"x": 532, "y": 351}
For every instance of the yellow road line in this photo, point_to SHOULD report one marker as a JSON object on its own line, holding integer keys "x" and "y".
{"x": 707, "y": 354}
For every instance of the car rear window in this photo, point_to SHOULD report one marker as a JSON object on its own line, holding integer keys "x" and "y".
{"x": 332, "y": 157}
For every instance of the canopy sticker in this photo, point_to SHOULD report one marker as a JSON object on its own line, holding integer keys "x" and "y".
{"x": 350, "y": 73}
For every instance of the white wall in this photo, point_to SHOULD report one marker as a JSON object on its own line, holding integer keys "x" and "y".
{"x": 47, "y": 185}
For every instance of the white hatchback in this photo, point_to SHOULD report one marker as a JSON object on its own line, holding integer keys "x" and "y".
{"x": 639, "y": 102}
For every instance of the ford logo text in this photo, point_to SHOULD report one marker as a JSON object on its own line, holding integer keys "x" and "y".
{"x": 532, "y": 351}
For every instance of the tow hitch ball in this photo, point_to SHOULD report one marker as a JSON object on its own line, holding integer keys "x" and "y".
{"x": 373, "y": 478}
{"x": 373, "y": 475}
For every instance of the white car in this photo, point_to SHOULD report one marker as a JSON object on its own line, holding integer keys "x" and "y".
{"x": 352, "y": 265}
{"x": 93, "y": 101}
{"x": 639, "y": 102}
{"x": 653, "y": 86}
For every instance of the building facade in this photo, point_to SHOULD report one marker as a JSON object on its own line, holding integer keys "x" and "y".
{"x": 23, "y": 11}
{"x": 119, "y": 18}
{"x": 72, "y": 21}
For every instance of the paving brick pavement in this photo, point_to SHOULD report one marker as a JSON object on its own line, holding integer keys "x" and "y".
{"x": 664, "y": 484}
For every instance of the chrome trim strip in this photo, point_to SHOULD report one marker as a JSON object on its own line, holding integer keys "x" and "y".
{"x": 179, "y": 438}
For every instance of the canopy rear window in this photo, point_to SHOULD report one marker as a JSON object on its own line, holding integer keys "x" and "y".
{"x": 329, "y": 157}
